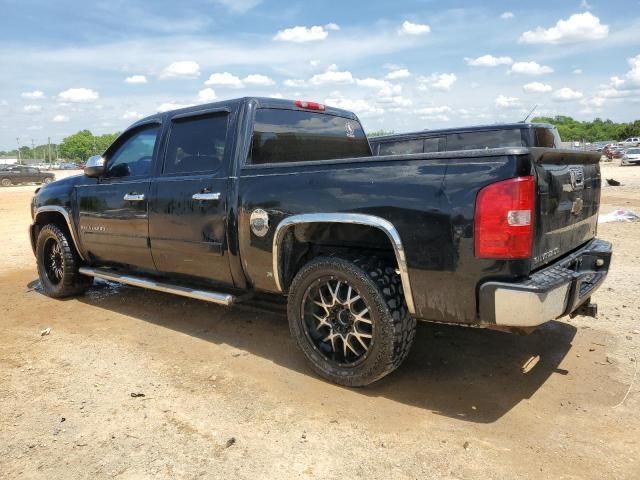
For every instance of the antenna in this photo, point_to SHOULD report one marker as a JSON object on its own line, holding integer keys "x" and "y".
{"x": 529, "y": 114}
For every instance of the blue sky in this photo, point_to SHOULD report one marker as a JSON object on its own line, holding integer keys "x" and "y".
{"x": 400, "y": 66}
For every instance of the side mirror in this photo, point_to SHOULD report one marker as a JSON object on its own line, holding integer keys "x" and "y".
{"x": 94, "y": 166}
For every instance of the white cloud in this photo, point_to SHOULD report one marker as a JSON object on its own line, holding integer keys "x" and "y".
{"x": 503, "y": 101}
{"x": 359, "y": 106}
{"x": 302, "y": 34}
{"x": 136, "y": 79}
{"x": 276, "y": 95}
{"x": 131, "y": 115}
{"x": 579, "y": 27}
{"x": 410, "y": 28}
{"x": 60, "y": 119}
{"x": 224, "y": 79}
{"x": 537, "y": 87}
{"x": 295, "y": 83}
{"x": 181, "y": 69}
{"x": 79, "y": 95}
{"x": 437, "y": 81}
{"x": 163, "y": 107}
{"x": 35, "y": 95}
{"x": 207, "y": 95}
{"x": 239, "y": 6}
{"x": 430, "y": 111}
{"x": 373, "y": 83}
{"x": 332, "y": 26}
{"x": 585, "y": 5}
{"x": 566, "y": 94}
{"x": 258, "y": 80}
{"x": 488, "y": 61}
{"x": 31, "y": 108}
{"x": 397, "y": 74}
{"x": 331, "y": 76}
{"x": 530, "y": 68}
{"x": 577, "y": 71}
{"x": 506, "y": 15}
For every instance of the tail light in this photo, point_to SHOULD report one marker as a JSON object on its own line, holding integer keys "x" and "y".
{"x": 310, "y": 105}
{"x": 504, "y": 219}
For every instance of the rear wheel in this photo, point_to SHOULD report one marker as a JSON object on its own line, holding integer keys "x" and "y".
{"x": 349, "y": 318}
{"x": 5, "y": 182}
{"x": 58, "y": 264}
{"x": 47, "y": 181}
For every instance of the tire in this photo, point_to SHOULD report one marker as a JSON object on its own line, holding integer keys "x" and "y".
{"x": 325, "y": 294}
{"x": 47, "y": 181}
{"x": 58, "y": 264}
{"x": 6, "y": 182}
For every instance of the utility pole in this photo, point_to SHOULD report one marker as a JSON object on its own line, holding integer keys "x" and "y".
{"x": 33, "y": 149}
{"x": 18, "y": 142}
{"x": 49, "y": 148}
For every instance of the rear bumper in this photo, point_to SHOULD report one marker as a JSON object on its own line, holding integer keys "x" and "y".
{"x": 549, "y": 293}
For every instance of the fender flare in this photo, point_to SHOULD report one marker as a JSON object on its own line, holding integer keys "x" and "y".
{"x": 354, "y": 219}
{"x": 67, "y": 217}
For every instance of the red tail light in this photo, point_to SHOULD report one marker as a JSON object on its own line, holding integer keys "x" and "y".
{"x": 504, "y": 219}
{"x": 310, "y": 105}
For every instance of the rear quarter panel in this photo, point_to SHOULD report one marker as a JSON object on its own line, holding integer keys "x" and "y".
{"x": 429, "y": 198}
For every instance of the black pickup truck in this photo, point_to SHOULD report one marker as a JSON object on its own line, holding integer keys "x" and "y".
{"x": 222, "y": 201}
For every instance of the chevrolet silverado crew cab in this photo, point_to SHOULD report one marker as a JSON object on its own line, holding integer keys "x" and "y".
{"x": 222, "y": 201}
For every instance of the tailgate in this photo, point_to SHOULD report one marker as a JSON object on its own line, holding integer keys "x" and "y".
{"x": 567, "y": 204}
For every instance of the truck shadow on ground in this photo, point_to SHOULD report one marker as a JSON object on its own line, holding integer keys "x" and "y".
{"x": 469, "y": 374}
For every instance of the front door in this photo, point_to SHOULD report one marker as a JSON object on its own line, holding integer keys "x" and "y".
{"x": 113, "y": 214}
{"x": 188, "y": 208}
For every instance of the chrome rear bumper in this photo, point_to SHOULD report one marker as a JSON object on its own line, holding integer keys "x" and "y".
{"x": 549, "y": 293}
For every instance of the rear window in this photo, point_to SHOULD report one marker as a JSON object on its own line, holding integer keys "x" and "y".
{"x": 547, "y": 137}
{"x": 484, "y": 139}
{"x": 400, "y": 147}
{"x": 281, "y": 136}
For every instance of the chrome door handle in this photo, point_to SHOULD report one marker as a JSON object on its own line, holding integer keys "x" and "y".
{"x": 206, "y": 196}
{"x": 134, "y": 197}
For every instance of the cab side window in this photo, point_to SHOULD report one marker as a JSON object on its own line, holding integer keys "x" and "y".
{"x": 196, "y": 144}
{"x": 133, "y": 158}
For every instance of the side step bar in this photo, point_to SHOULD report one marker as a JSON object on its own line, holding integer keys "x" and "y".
{"x": 214, "y": 297}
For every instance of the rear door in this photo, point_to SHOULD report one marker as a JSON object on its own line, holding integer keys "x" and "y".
{"x": 113, "y": 217}
{"x": 188, "y": 210}
{"x": 568, "y": 201}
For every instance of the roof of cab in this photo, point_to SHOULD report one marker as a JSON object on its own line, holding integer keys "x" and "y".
{"x": 473, "y": 128}
{"x": 260, "y": 102}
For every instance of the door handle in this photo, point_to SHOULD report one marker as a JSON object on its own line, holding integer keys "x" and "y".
{"x": 206, "y": 196}
{"x": 134, "y": 197}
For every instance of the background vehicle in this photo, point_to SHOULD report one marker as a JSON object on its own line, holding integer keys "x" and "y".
{"x": 630, "y": 142}
{"x": 21, "y": 174}
{"x": 468, "y": 138}
{"x": 631, "y": 157}
{"x": 220, "y": 201}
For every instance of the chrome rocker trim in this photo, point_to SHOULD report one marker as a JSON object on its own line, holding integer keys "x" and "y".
{"x": 355, "y": 219}
{"x": 207, "y": 296}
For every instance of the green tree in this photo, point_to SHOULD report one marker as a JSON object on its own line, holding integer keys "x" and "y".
{"x": 83, "y": 144}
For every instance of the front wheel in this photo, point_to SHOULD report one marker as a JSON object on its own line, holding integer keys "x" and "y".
{"x": 58, "y": 264}
{"x": 349, "y": 318}
{"x": 47, "y": 181}
{"x": 5, "y": 182}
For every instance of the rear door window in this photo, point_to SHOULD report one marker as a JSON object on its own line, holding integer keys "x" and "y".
{"x": 484, "y": 139}
{"x": 401, "y": 147}
{"x": 196, "y": 144}
{"x": 547, "y": 137}
{"x": 281, "y": 136}
{"x": 431, "y": 144}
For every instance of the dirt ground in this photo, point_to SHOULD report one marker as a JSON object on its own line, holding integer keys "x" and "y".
{"x": 227, "y": 395}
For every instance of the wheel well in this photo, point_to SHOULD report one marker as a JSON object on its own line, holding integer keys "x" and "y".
{"x": 51, "y": 218}
{"x": 305, "y": 241}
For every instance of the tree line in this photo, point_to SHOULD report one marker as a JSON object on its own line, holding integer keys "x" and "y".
{"x": 77, "y": 147}
{"x": 572, "y": 130}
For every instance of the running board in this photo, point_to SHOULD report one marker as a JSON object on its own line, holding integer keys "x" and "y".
{"x": 214, "y": 297}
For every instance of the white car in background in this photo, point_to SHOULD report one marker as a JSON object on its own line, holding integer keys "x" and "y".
{"x": 630, "y": 142}
{"x": 631, "y": 157}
